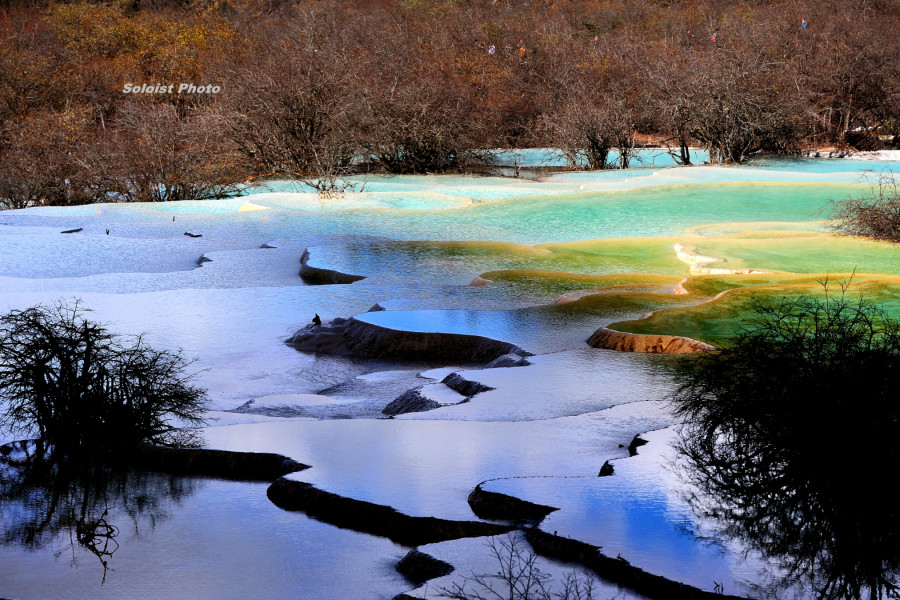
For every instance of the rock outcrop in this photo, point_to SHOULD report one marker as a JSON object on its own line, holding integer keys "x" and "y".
{"x": 327, "y": 338}
{"x": 374, "y": 519}
{"x": 410, "y": 401}
{"x": 352, "y": 337}
{"x": 636, "y": 442}
{"x": 466, "y": 387}
{"x": 610, "y": 339}
{"x": 317, "y": 276}
{"x": 414, "y": 401}
{"x": 419, "y": 567}
{"x": 508, "y": 360}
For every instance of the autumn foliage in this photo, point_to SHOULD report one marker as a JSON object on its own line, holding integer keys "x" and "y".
{"x": 414, "y": 86}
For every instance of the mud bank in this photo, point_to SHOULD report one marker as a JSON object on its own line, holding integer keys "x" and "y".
{"x": 617, "y": 570}
{"x": 191, "y": 462}
{"x": 356, "y": 338}
{"x": 374, "y": 519}
{"x": 609, "y": 339}
{"x": 501, "y": 507}
{"x": 317, "y": 276}
{"x": 243, "y": 466}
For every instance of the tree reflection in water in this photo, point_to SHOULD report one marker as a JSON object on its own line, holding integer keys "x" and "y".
{"x": 46, "y": 500}
{"x": 791, "y": 443}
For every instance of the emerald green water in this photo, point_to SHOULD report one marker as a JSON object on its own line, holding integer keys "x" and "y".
{"x": 721, "y": 319}
{"x": 823, "y": 254}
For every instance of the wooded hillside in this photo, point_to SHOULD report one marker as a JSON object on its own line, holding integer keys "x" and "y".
{"x": 417, "y": 86}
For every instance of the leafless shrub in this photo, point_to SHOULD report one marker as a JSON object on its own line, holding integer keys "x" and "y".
{"x": 875, "y": 216}
{"x": 81, "y": 387}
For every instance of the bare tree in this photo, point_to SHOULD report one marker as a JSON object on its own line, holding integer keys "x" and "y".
{"x": 851, "y": 75}
{"x": 519, "y": 578}
{"x": 46, "y": 494}
{"x": 42, "y": 161}
{"x": 419, "y": 126}
{"x": 79, "y": 386}
{"x": 155, "y": 155}
{"x": 674, "y": 101}
{"x": 591, "y": 128}
{"x": 739, "y": 107}
{"x": 292, "y": 108}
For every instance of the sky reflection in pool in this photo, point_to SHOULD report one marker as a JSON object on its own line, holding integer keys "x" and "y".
{"x": 638, "y": 514}
{"x": 223, "y": 540}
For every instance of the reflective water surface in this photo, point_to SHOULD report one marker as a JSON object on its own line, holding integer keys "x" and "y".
{"x": 543, "y": 434}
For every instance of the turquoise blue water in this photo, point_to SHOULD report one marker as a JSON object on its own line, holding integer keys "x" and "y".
{"x": 564, "y": 207}
{"x": 551, "y": 157}
{"x": 664, "y": 210}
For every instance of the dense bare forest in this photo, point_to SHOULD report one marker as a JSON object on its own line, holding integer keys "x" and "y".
{"x": 320, "y": 88}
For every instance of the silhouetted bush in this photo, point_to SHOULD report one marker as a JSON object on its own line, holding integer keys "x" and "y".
{"x": 788, "y": 433}
{"x": 78, "y": 386}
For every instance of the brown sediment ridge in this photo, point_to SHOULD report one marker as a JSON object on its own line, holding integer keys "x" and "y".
{"x": 353, "y": 337}
{"x": 374, "y": 519}
{"x": 610, "y": 339}
{"x": 317, "y": 276}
